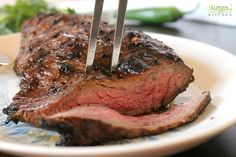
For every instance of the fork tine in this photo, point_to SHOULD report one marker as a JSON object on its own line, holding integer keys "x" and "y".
{"x": 118, "y": 33}
{"x": 93, "y": 33}
{"x": 5, "y": 59}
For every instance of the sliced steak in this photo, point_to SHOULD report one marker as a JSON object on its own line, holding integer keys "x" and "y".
{"x": 52, "y": 60}
{"x": 89, "y": 125}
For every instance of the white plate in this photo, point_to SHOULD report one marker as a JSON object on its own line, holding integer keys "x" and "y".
{"x": 214, "y": 70}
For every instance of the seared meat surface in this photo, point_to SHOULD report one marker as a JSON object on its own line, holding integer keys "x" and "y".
{"x": 56, "y": 94}
{"x": 52, "y": 60}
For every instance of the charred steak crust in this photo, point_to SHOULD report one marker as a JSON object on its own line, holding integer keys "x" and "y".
{"x": 52, "y": 60}
{"x": 90, "y": 125}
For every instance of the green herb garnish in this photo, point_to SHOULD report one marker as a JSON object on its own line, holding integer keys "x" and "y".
{"x": 12, "y": 17}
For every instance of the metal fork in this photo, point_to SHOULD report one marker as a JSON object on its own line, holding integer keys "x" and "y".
{"x": 4, "y": 59}
{"x": 94, "y": 32}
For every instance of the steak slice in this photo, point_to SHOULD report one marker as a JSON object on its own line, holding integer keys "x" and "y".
{"x": 52, "y": 60}
{"x": 89, "y": 125}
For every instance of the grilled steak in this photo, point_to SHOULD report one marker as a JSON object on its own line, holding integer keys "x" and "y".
{"x": 52, "y": 60}
{"x": 89, "y": 125}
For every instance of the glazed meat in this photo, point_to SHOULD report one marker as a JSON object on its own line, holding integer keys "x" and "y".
{"x": 90, "y": 125}
{"x": 52, "y": 60}
{"x": 99, "y": 106}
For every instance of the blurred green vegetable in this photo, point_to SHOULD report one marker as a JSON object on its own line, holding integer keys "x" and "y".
{"x": 12, "y": 17}
{"x": 155, "y": 15}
